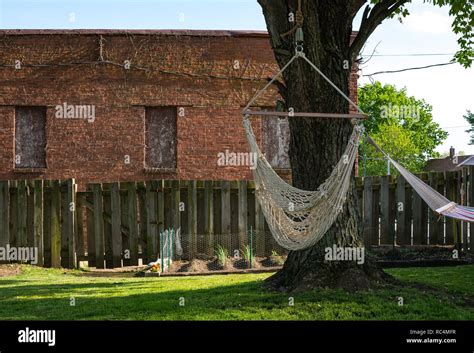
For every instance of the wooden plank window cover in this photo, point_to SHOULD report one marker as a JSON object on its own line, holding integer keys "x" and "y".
{"x": 160, "y": 137}
{"x": 30, "y": 137}
{"x": 276, "y": 142}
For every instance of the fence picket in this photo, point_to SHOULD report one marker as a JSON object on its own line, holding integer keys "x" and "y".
{"x": 401, "y": 211}
{"x": 116, "y": 231}
{"x": 98, "y": 226}
{"x": 21, "y": 214}
{"x": 450, "y": 194}
{"x": 71, "y": 215}
{"x": 192, "y": 218}
{"x": 209, "y": 217}
{"x": 38, "y": 220}
{"x": 133, "y": 222}
{"x": 433, "y": 218}
{"x": 386, "y": 228}
{"x": 242, "y": 214}
{"x": 226, "y": 215}
{"x": 91, "y": 258}
{"x": 4, "y": 213}
{"x": 55, "y": 224}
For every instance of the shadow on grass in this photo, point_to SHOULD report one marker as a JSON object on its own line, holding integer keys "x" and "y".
{"x": 158, "y": 300}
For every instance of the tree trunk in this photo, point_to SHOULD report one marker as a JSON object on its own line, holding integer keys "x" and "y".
{"x": 317, "y": 144}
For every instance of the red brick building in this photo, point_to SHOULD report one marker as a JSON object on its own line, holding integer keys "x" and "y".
{"x": 111, "y": 105}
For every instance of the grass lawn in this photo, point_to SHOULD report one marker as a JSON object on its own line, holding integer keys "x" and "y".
{"x": 36, "y": 293}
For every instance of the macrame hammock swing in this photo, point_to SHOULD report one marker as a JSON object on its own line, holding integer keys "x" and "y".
{"x": 297, "y": 218}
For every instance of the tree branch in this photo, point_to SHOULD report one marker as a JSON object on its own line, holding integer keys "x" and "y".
{"x": 355, "y": 6}
{"x": 275, "y": 13}
{"x": 371, "y": 19}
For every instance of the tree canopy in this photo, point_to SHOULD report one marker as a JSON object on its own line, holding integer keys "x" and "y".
{"x": 470, "y": 119}
{"x": 375, "y": 11}
{"x": 403, "y": 126}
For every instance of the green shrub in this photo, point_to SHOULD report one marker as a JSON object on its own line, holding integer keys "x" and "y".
{"x": 247, "y": 254}
{"x": 222, "y": 255}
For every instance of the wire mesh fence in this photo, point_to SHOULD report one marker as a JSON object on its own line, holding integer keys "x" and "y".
{"x": 197, "y": 253}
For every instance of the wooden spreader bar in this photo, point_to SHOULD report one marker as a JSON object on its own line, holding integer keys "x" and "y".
{"x": 307, "y": 115}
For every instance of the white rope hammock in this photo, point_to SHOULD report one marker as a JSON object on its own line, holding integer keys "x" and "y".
{"x": 437, "y": 202}
{"x": 298, "y": 219}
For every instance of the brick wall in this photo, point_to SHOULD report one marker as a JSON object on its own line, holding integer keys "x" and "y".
{"x": 209, "y": 74}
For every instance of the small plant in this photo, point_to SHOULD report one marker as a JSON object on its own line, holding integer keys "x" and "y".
{"x": 277, "y": 259}
{"x": 222, "y": 255}
{"x": 247, "y": 254}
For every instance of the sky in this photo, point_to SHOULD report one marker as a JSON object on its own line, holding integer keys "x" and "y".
{"x": 448, "y": 89}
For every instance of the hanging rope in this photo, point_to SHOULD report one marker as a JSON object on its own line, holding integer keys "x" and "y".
{"x": 299, "y": 20}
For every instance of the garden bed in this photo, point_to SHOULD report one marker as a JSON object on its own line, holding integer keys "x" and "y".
{"x": 9, "y": 270}
{"x": 231, "y": 265}
{"x": 418, "y": 253}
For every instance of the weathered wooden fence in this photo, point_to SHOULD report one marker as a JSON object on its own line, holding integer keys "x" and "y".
{"x": 40, "y": 214}
{"x": 119, "y": 224}
{"x": 394, "y": 214}
{"x": 123, "y": 221}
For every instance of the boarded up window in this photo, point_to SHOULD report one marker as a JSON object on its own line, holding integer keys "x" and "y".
{"x": 276, "y": 141}
{"x": 160, "y": 137}
{"x": 30, "y": 137}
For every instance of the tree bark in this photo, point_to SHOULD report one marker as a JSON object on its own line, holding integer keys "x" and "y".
{"x": 317, "y": 144}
